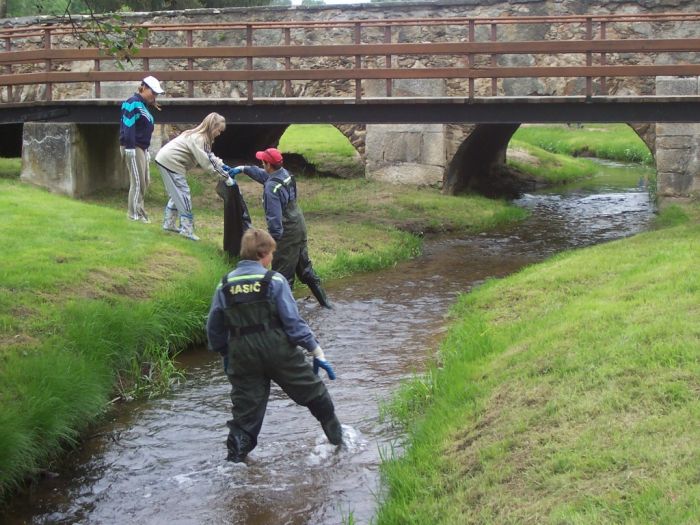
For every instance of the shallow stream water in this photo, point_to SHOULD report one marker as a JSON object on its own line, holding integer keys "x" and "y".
{"x": 162, "y": 461}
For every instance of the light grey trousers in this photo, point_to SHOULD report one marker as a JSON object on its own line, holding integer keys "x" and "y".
{"x": 139, "y": 179}
{"x": 178, "y": 191}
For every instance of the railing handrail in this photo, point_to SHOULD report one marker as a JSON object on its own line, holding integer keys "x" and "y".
{"x": 384, "y": 54}
{"x": 59, "y": 77}
{"x": 428, "y": 48}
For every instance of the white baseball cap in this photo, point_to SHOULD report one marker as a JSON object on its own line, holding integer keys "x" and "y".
{"x": 152, "y": 82}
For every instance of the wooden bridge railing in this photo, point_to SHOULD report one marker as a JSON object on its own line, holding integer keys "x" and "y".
{"x": 589, "y": 47}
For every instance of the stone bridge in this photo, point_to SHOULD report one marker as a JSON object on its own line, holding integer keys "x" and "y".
{"x": 458, "y": 152}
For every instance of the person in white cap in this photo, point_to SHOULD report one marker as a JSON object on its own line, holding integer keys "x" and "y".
{"x": 135, "y": 131}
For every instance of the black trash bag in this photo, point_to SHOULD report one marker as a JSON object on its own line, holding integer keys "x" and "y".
{"x": 236, "y": 218}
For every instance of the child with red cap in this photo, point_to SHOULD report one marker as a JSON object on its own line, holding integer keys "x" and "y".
{"x": 285, "y": 221}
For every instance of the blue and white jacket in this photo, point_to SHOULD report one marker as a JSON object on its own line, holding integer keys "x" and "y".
{"x": 136, "y": 126}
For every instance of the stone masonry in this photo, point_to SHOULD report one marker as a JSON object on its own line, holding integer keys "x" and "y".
{"x": 678, "y": 145}
{"x": 409, "y": 153}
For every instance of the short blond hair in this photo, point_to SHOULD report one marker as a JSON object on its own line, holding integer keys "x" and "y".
{"x": 256, "y": 244}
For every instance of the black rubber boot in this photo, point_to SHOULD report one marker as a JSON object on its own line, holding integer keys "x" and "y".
{"x": 234, "y": 457}
{"x": 333, "y": 430}
{"x": 320, "y": 294}
{"x": 238, "y": 445}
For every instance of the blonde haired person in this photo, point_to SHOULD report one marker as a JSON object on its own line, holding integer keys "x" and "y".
{"x": 135, "y": 131}
{"x": 254, "y": 323}
{"x": 190, "y": 149}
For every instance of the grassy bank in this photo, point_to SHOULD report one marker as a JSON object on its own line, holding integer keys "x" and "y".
{"x": 604, "y": 141}
{"x": 93, "y": 305}
{"x": 567, "y": 393}
{"x": 546, "y": 167}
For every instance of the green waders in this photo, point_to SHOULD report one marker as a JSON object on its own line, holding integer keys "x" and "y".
{"x": 260, "y": 352}
{"x": 292, "y": 255}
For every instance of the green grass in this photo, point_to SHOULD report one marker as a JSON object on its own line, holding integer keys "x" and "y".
{"x": 566, "y": 393}
{"x": 323, "y": 146}
{"x": 315, "y": 142}
{"x": 605, "y": 141}
{"x": 553, "y": 168}
{"x": 10, "y": 168}
{"x": 93, "y": 306}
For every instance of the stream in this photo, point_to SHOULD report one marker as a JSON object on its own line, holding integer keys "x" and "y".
{"x": 161, "y": 461}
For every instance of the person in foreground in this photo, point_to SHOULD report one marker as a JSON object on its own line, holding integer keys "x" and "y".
{"x": 285, "y": 221}
{"x": 189, "y": 149}
{"x": 255, "y": 325}
{"x": 135, "y": 132}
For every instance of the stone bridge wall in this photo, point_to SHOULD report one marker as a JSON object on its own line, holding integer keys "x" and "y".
{"x": 475, "y": 8}
{"x": 415, "y": 154}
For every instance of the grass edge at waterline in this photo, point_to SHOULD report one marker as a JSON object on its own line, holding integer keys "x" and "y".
{"x": 91, "y": 303}
{"x": 565, "y": 393}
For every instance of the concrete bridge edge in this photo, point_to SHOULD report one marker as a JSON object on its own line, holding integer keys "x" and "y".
{"x": 77, "y": 160}
{"x": 72, "y": 159}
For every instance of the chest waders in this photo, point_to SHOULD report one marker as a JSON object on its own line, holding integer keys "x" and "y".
{"x": 260, "y": 352}
{"x": 292, "y": 255}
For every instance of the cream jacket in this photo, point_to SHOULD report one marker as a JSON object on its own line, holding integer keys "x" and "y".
{"x": 186, "y": 152}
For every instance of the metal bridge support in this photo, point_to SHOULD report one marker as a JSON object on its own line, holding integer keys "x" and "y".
{"x": 678, "y": 145}
{"x": 73, "y": 159}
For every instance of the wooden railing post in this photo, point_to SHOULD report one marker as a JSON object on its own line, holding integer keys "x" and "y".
{"x": 358, "y": 62}
{"x": 470, "y": 56}
{"x": 387, "y": 59}
{"x": 146, "y": 62}
{"x": 47, "y": 63}
{"x": 190, "y": 64}
{"x": 8, "y": 68}
{"x": 98, "y": 84}
{"x": 287, "y": 62}
{"x": 249, "y": 60}
{"x": 603, "y": 60}
{"x": 494, "y": 62}
{"x": 589, "y": 56}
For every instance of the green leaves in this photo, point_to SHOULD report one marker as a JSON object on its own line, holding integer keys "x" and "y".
{"x": 112, "y": 37}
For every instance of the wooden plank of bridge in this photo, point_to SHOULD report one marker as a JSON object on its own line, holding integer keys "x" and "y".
{"x": 439, "y": 48}
{"x": 358, "y": 74}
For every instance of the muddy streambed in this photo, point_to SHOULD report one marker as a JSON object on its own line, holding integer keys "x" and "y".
{"x": 162, "y": 461}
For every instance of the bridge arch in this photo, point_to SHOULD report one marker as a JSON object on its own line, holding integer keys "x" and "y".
{"x": 479, "y": 164}
{"x": 240, "y": 141}
{"x": 479, "y": 160}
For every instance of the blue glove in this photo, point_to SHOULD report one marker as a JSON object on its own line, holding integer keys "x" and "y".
{"x": 320, "y": 362}
{"x": 235, "y": 171}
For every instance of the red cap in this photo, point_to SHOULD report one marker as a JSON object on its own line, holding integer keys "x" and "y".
{"x": 271, "y": 155}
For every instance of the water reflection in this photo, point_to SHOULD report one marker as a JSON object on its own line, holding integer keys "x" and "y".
{"x": 162, "y": 461}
